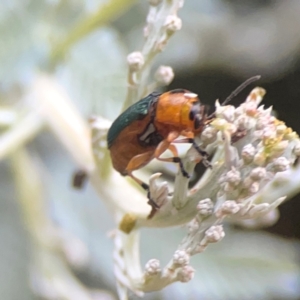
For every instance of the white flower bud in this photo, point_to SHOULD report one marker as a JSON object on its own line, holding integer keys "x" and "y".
{"x": 248, "y": 153}
{"x": 226, "y": 112}
{"x": 219, "y": 124}
{"x": 259, "y": 158}
{"x": 209, "y": 135}
{"x": 257, "y": 134}
{"x": 254, "y": 188}
{"x": 185, "y": 274}
{"x": 229, "y": 207}
{"x": 205, "y": 207}
{"x": 280, "y": 147}
{"x": 291, "y": 135}
{"x": 280, "y": 164}
{"x": 223, "y": 125}
{"x": 269, "y": 133}
{"x": 214, "y": 234}
{"x": 233, "y": 177}
{"x": 135, "y": 61}
{"x": 181, "y": 258}
{"x": 172, "y": 24}
{"x": 258, "y": 174}
{"x": 243, "y": 122}
{"x": 164, "y": 75}
{"x": 261, "y": 123}
{"x": 152, "y": 267}
{"x": 281, "y": 128}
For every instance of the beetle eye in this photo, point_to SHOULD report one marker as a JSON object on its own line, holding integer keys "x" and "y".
{"x": 197, "y": 122}
{"x": 192, "y": 115}
{"x": 194, "y": 110}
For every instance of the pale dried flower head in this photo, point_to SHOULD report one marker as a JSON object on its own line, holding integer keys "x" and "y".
{"x": 152, "y": 267}
{"x": 135, "y": 61}
{"x": 252, "y": 167}
{"x": 280, "y": 164}
{"x": 172, "y": 24}
{"x": 248, "y": 153}
{"x": 164, "y": 75}
{"x": 233, "y": 177}
{"x": 251, "y": 172}
{"x": 185, "y": 274}
{"x": 229, "y": 207}
{"x": 258, "y": 174}
{"x": 181, "y": 258}
{"x": 214, "y": 234}
{"x": 209, "y": 135}
{"x": 205, "y": 207}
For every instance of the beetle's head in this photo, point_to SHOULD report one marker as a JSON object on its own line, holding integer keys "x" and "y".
{"x": 196, "y": 112}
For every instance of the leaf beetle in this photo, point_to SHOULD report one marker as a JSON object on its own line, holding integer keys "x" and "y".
{"x": 152, "y": 125}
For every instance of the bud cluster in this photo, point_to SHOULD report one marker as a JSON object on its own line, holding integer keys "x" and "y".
{"x": 265, "y": 148}
{"x": 252, "y": 148}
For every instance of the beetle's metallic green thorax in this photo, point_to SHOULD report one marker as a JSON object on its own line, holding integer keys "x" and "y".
{"x": 137, "y": 111}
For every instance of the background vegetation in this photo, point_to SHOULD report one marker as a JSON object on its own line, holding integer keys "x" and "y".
{"x": 83, "y": 46}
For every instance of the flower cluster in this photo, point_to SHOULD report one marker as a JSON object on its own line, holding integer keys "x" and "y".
{"x": 254, "y": 157}
{"x": 161, "y": 23}
{"x": 253, "y": 170}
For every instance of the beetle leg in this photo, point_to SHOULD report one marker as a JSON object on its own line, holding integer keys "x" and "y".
{"x": 173, "y": 149}
{"x": 151, "y": 202}
{"x": 191, "y": 141}
{"x": 162, "y": 147}
{"x": 203, "y": 153}
{"x": 144, "y": 185}
{"x": 139, "y": 161}
{"x": 135, "y": 163}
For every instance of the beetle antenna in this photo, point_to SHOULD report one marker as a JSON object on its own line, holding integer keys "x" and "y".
{"x": 235, "y": 93}
{"x": 240, "y": 88}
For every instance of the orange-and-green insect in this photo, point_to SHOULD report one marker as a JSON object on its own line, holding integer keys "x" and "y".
{"x": 153, "y": 125}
